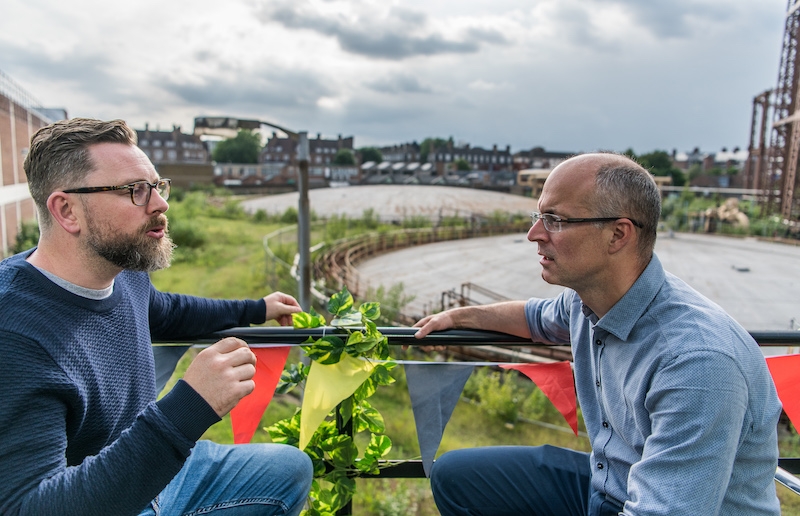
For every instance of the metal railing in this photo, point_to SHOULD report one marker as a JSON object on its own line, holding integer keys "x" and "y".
{"x": 788, "y": 467}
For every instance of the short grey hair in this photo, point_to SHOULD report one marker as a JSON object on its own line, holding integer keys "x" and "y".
{"x": 623, "y": 188}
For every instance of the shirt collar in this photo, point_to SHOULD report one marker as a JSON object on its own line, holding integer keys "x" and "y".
{"x": 619, "y": 321}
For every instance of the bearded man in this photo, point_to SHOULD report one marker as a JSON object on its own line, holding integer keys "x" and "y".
{"x": 81, "y": 431}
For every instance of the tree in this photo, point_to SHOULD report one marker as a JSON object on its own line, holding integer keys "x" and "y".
{"x": 344, "y": 157}
{"x": 429, "y": 144}
{"x": 370, "y": 154}
{"x": 659, "y": 163}
{"x": 462, "y": 165}
{"x": 244, "y": 148}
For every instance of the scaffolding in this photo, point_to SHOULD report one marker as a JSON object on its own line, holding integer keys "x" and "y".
{"x": 778, "y": 178}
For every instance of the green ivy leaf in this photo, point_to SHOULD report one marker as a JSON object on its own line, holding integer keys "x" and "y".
{"x": 286, "y": 431}
{"x": 340, "y": 303}
{"x": 365, "y": 345}
{"x": 371, "y": 330}
{"x": 381, "y": 374}
{"x": 291, "y": 377}
{"x": 347, "y": 319}
{"x": 342, "y": 490}
{"x": 301, "y": 320}
{"x": 365, "y": 390}
{"x": 327, "y": 350}
{"x": 379, "y": 446}
{"x": 346, "y": 409}
{"x": 370, "y": 310}
{"x": 341, "y": 449}
{"x": 367, "y": 418}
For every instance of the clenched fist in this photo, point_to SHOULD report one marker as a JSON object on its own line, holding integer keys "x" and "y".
{"x": 223, "y": 374}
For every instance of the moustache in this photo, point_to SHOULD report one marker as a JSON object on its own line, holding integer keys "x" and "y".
{"x": 156, "y": 221}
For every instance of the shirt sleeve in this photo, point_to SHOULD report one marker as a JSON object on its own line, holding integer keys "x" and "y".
{"x": 697, "y": 405}
{"x": 40, "y": 406}
{"x": 548, "y": 319}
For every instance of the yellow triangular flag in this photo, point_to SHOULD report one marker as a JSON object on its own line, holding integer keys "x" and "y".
{"x": 326, "y": 387}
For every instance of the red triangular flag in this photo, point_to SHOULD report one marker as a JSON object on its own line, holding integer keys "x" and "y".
{"x": 785, "y": 371}
{"x": 247, "y": 414}
{"x": 557, "y": 383}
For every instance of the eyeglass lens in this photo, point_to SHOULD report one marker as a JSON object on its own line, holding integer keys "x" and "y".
{"x": 549, "y": 221}
{"x": 141, "y": 192}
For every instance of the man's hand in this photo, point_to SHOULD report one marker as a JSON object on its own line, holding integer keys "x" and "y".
{"x": 436, "y": 322}
{"x": 280, "y": 307}
{"x": 223, "y": 374}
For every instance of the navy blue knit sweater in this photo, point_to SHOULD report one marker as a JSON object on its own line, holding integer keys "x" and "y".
{"x": 80, "y": 430}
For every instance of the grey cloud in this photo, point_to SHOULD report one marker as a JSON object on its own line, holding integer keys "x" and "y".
{"x": 576, "y": 26}
{"x": 398, "y": 84}
{"x": 673, "y": 19}
{"x": 487, "y": 36}
{"x": 396, "y": 37}
{"x": 268, "y": 89}
{"x": 87, "y": 70}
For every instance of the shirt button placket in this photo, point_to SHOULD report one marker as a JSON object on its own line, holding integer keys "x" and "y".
{"x": 598, "y": 342}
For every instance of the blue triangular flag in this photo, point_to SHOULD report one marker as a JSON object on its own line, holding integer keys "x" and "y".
{"x": 434, "y": 390}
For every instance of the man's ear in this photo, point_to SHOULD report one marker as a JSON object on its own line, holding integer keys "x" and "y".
{"x": 623, "y": 235}
{"x": 65, "y": 212}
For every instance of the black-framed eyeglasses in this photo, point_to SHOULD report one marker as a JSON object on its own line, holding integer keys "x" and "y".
{"x": 140, "y": 190}
{"x": 553, "y": 223}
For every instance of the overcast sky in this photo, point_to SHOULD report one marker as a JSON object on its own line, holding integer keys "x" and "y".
{"x": 567, "y": 75}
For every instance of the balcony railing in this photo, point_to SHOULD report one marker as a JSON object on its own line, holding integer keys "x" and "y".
{"x": 788, "y": 467}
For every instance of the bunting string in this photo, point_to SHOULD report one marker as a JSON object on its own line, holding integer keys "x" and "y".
{"x": 434, "y": 388}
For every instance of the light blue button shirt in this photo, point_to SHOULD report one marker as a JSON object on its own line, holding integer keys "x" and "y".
{"x": 678, "y": 402}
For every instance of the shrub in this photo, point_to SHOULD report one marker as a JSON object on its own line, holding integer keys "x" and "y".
{"x": 187, "y": 234}
{"x": 27, "y": 237}
{"x": 289, "y": 216}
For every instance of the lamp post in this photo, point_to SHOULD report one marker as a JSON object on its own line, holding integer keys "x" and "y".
{"x": 229, "y": 126}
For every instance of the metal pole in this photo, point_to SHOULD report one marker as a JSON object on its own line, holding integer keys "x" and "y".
{"x": 304, "y": 223}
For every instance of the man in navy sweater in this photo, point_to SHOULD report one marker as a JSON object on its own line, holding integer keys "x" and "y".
{"x": 81, "y": 431}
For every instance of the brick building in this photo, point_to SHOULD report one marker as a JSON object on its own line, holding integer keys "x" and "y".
{"x": 172, "y": 146}
{"x": 20, "y": 117}
{"x": 443, "y": 158}
{"x": 280, "y": 154}
{"x": 538, "y": 158}
{"x": 184, "y": 158}
{"x": 404, "y": 152}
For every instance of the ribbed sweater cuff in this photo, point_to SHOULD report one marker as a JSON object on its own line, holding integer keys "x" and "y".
{"x": 187, "y": 410}
{"x": 256, "y": 312}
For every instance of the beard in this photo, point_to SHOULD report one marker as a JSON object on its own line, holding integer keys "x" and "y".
{"x": 134, "y": 252}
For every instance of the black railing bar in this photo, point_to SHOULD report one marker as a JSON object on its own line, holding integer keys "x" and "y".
{"x": 790, "y": 464}
{"x": 405, "y": 336}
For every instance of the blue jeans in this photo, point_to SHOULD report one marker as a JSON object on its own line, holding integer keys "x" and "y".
{"x": 241, "y": 480}
{"x": 513, "y": 480}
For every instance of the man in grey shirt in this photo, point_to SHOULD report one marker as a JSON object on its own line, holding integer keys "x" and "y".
{"x": 678, "y": 403}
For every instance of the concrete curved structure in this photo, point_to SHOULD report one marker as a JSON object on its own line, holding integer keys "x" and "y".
{"x": 757, "y": 282}
{"x": 395, "y": 202}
